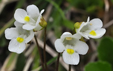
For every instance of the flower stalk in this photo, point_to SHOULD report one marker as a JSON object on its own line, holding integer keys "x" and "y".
{"x": 44, "y": 51}
{"x": 39, "y": 52}
{"x": 57, "y": 64}
{"x": 69, "y": 67}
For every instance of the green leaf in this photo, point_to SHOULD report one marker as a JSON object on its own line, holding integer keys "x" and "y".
{"x": 105, "y": 50}
{"x": 2, "y": 42}
{"x": 12, "y": 58}
{"x": 20, "y": 3}
{"x": 112, "y": 1}
{"x": 69, "y": 24}
{"x": 91, "y": 9}
{"x": 36, "y": 61}
{"x": 52, "y": 60}
{"x": 98, "y": 66}
{"x": 20, "y": 62}
{"x": 8, "y": 24}
{"x": 58, "y": 8}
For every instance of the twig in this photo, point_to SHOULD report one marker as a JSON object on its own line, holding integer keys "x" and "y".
{"x": 108, "y": 24}
{"x": 94, "y": 48}
{"x": 106, "y": 15}
{"x": 27, "y": 53}
{"x": 9, "y": 66}
{"x": 3, "y": 3}
{"x": 107, "y": 6}
{"x": 28, "y": 63}
{"x": 93, "y": 57}
{"x": 93, "y": 45}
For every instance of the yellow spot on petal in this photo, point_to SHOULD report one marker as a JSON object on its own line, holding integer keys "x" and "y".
{"x": 19, "y": 39}
{"x": 27, "y": 18}
{"x": 91, "y": 24}
{"x": 93, "y": 33}
{"x": 70, "y": 51}
{"x": 68, "y": 38}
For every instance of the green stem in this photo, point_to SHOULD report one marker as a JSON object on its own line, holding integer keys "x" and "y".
{"x": 39, "y": 52}
{"x": 44, "y": 51}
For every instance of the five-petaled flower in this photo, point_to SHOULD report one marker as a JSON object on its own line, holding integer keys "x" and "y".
{"x": 71, "y": 47}
{"x": 19, "y": 37}
{"x": 91, "y": 29}
{"x": 30, "y": 19}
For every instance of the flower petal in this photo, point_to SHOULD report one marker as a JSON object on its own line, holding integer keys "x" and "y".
{"x": 88, "y": 19}
{"x": 95, "y": 23}
{"x": 19, "y": 15}
{"x": 72, "y": 59}
{"x": 38, "y": 28}
{"x": 81, "y": 26}
{"x": 81, "y": 47}
{"x": 33, "y": 11}
{"x": 99, "y": 32}
{"x": 39, "y": 17}
{"x": 14, "y": 46}
{"x": 84, "y": 34}
{"x": 30, "y": 37}
{"x": 77, "y": 36}
{"x": 28, "y": 27}
{"x": 11, "y": 33}
{"x": 16, "y": 23}
{"x": 59, "y": 45}
{"x": 66, "y": 34}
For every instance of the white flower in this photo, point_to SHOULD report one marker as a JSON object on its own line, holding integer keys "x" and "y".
{"x": 91, "y": 29}
{"x": 31, "y": 18}
{"x": 71, "y": 47}
{"x": 19, "y": 37}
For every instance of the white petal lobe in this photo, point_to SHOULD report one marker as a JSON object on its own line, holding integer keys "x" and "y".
{"x": 99, "y": 33}
{"x": 66, "y": 34}
{"x": 28, "y": 27}
{"x": 59, "y": 45}
{"x": 30, "y": 37}
{"x": 16, "y": 47}
{"x": 33, "y": 11}
{"x": 16, "y": 23}
{"x": 72, "y": 59}
{"x": 11, "y": 33}
{"x": 96, "y": 23}
{"x": 19, "y": 15}
{"x": 81, "y": 47}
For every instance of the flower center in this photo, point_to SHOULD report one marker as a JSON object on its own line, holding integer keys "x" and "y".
{"x": 19, "y": 39}
{"x": 93, "y": 33}
{"x": 70, "y": 51}
{"x": 91, "y": 24}
{"x": 27, "y": 18}
{"x": 68, "y": 38}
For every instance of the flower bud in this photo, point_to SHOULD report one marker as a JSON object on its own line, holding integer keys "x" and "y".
{"x": 42, "y": 22}
{"x": 77, "y": 25}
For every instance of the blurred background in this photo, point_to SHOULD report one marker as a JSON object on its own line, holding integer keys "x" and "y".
{"x": 60, "y": 16}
